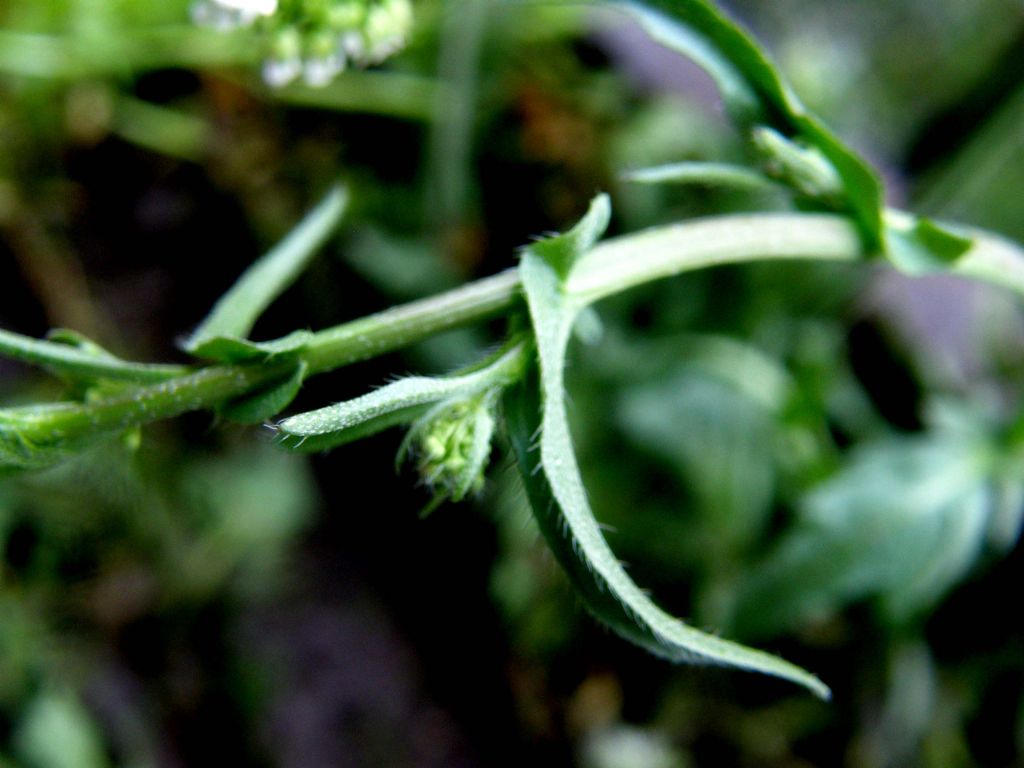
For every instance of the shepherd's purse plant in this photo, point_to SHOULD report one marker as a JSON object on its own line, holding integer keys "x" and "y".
{"x": 838, "y": 214}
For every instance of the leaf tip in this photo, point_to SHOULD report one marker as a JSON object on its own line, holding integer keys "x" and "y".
{"x": 561, "y": 251}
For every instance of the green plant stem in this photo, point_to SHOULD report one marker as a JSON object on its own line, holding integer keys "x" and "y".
{"x": 624, "y": 262}
{"x": 40, "y": 436}
{"x": 610, "y": 267}
{"x": 53, "y": 425}
{"x": 406, "y": 324}
{"x": 330, "y": 349}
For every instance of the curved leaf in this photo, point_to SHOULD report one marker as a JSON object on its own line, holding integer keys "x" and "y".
{"x": 755, "y": 93}
{"x": 556, "y": 492}
{"x": 229, "y": 349}
{"x": 759, "y": 99}
{"x": 268, "y": 401}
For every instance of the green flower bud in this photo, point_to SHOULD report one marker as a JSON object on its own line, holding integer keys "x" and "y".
{"x": 286, "y": 44}
{"x": 346, "y": 16}
{"x": 451, "y": 445}
{"x": 284, "y": 63}
{"x": 324, "y": 59}
{"x": 804, "y": 168}
{"x": 387, "y": 27}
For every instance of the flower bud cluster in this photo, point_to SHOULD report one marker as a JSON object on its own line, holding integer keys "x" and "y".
{"x": 314, "y": 39}
{"x": 451, "y": 445}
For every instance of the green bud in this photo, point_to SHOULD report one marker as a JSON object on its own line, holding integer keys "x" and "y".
{"x": 387, "y": 27}
{"x": 451, "y": 445}
{"x": 320, "y": 45}
{"x": 346, "y": 16}
{"x": 286, "y": 44}
{"x": 323, "y": 60}
{"x": 803, "y": 168}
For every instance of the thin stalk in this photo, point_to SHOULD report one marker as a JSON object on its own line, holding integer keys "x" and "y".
{"x": 51, "y": 426}
{"x": 463, "y": 30}
{"x": 624, "y": 262}
{"x": 406, "y": 324}
{"x": 209, "y": 387}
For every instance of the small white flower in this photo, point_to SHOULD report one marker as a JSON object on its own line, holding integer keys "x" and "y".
{"x": 206, "y": 14}
{"x": 319, "y": 72}
{"x": 353, "y": 44}
{"x": 313, "y": 39}
{"x": 279, "y": 72}
{"x": 225, "y": 15}
{"x": 249, "y": 9}
{"x": 387, "y": 27}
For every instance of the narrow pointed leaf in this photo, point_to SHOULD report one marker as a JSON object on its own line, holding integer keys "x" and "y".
{"x": 227, "y": 349}
{"x": 559, "y": 500}
{"x": 81, "y": 361}
{"x": 267, "y": 402}
{"x": 389, "y": 406}
{"x": 237, "y": 311}
{"x": 400, "y": 402}
{"x": 709, "y": 174}
{"x": 920, "y": 246}
{"x": 561, "y": 251}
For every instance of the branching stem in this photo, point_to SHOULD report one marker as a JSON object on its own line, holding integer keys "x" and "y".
{"x": 612, "y": 266}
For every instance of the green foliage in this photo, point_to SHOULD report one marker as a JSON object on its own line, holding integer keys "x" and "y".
{"x": 57, "y": 732}
{"x": 796, "y": 147}
{"x": 720, "y": 439}
{"x": 744, "y": 415}
{"x": 902, "y": 522}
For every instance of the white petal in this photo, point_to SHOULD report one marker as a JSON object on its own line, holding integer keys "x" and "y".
{"x": 280, "y": 72}
{"x": 319, "y": 72}
{"x": 250, "y": 7}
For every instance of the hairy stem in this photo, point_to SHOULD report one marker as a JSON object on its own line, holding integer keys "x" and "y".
{"x": 406, "y": 324}
{"x": 624, "y": 262}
